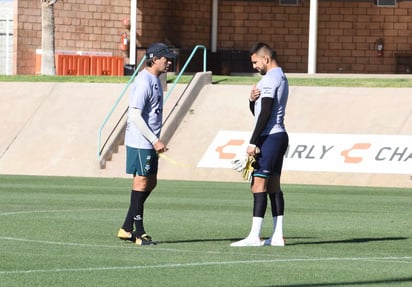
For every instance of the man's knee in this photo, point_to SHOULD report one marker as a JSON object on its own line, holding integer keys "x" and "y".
{"x": 258, "y": 184}
{"x": 144, "y": 183}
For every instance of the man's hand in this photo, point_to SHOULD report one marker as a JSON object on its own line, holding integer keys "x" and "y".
{"x": 159, "y": 146}
{"x": 252, "y": 150}
{"x": 254, "y": 94}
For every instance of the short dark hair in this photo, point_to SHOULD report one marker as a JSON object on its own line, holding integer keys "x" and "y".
{"x": 259, "y": 46}
{"x": 149, "y": 62}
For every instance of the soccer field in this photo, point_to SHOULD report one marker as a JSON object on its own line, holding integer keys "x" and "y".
{"x": 61, "y": 231}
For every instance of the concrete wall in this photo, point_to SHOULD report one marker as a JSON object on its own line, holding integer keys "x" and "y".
{"x": 220, "y": 122}
{"x": 51, "y": 129}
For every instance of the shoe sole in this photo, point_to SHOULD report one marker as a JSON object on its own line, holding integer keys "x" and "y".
{"x": 250, "y": 244}
{"x": 277, "y": 244}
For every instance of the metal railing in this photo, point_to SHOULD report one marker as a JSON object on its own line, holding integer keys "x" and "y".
{"x": 100, "y": 147}
{"x": 106, "y": 119}
{"x": 185, "y": 66}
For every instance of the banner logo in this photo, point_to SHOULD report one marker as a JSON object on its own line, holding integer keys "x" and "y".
{"x": 351, "y": 159}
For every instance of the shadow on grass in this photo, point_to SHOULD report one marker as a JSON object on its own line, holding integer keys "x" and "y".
{"x": 354, "y": 283}
{"x": 215, "y": 240}
{"x": 288, "y": 239}
{"x": 352, "y": 240}
{"x": 199, "y": 240}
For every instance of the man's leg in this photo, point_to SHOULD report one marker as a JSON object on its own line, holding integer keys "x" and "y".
{"x": 259, "y": 209}
{"x": 142, "y": 187}
{"x": 143, "y": 164}
{"x": 126, "y": 232}
{"x": 278, "y": 207}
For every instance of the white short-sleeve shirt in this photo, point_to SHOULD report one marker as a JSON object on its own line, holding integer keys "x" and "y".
{"x": 147, "y": 96}
{"x": 273, "y": 85}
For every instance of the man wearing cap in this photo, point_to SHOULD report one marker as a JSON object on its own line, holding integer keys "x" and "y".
{"x": 144, "y": 122}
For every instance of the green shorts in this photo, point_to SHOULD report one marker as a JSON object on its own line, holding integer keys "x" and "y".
{"x": 141, "y": 162}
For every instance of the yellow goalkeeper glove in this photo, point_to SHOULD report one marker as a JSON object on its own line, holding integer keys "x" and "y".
{"x": 248, "y": 169}
{"x": 244, "y": 166}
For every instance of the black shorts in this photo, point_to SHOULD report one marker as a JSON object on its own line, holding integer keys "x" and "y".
{"x": 272, "y": 150}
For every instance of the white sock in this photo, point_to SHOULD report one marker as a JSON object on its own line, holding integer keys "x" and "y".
{"x": 256, "y": 226}
{"x": 275, "y": 219}
{"x": 277, "y": 228}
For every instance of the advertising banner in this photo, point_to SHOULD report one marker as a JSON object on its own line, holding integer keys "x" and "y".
{"x": 355, "y": 153}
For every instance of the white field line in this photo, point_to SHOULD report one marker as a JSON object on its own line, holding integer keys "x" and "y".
{"x": 61, "y": 243}
{"x": 55, "y": 211}
{"x": 197, "y": 264}
{"x": 125, "y": 245}
{"x": 404, "y": 259}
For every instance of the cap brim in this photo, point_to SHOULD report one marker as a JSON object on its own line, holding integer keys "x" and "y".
{"x": 170, "y": 55}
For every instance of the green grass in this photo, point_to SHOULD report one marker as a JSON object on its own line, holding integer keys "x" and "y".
{"x": 322, "y": 82}
{"x": 61, "y": 231}
{"x": 231, "y": 80}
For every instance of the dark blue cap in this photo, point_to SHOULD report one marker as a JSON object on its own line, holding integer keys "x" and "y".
{"x": 159, "y": 50}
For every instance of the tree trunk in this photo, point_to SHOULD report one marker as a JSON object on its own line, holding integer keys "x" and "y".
{"x": 48, "y": 65}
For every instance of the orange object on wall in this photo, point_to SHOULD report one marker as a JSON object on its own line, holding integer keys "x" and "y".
{"x": 106, "y": 66}
{"x": 117, "y": 66}
{"x": 38, "y": 64}
{"x": 124, "y": 42}
{"x": 66, "y": 65}
{"x": 99, "y": 66}
{"x": 84, "y": 65}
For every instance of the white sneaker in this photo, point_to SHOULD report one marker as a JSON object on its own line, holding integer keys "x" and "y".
{"x": 270, "y": 242}
{"x": 247, "y": 242}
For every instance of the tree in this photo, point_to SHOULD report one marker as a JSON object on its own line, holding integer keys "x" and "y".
{"x": 48, "y": 65}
